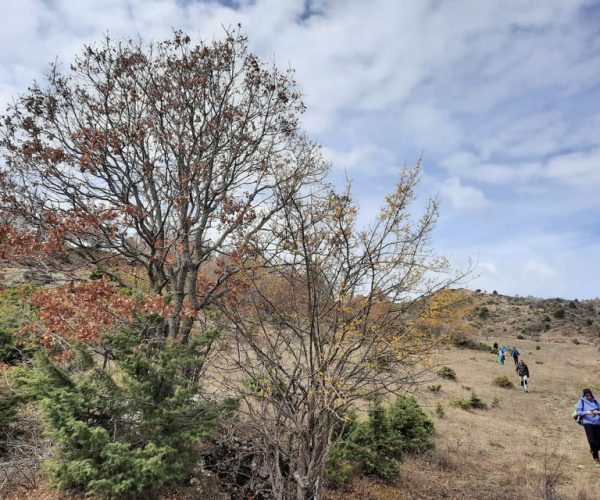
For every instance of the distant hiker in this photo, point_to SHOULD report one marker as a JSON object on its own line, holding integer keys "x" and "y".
{"x": 504, "y": 350}
{"x": 523, "y": 372}
{"x": 589, "y": 409}
{"x": 515, "y": 355}
{"x": 501, "y": 357}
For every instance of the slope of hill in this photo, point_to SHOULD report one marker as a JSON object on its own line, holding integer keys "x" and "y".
{"x": 501, "y": 315}
{"x": 523, "y": 445}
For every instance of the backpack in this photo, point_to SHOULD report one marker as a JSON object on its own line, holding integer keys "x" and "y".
{"x": 578, "y": 418}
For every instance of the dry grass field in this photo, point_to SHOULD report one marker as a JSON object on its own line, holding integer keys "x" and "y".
{"x": 523, "y": 446}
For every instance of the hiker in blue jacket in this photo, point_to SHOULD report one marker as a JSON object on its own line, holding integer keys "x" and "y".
{"x": 515, "y": 355}
{"x": 589, "y": 409}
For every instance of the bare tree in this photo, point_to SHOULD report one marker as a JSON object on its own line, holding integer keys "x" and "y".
{"x": 332, "y": 316}
{"x": 164, "y": 155}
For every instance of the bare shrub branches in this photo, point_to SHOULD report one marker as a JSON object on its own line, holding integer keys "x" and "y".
{"x": 27, "y": 449}
{"x": 333, "y": 315}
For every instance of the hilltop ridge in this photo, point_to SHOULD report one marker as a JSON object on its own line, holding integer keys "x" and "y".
{"x": 495, "y": 316}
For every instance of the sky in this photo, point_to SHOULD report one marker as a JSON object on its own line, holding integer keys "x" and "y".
{"x": 499, "y": 98}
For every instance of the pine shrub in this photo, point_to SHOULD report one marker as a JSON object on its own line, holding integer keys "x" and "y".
{"x": 127, "y": 430}
{"x": 447, "y": 373}
{"x": 14, "y": 311}
{"x": 373, "y": 447}
{"x": 439, "y": 410}
{"x": 474, "y": 402}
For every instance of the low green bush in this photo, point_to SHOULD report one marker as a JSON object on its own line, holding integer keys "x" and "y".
{"x": 439, "y": 410}
{"x": 474, "y": 402}
{"x": 434, "y": 387}
{"x": 447, "y": 373}
{"x": 373, "y": 447}
{"x": 131, "y": 429}
{"x": 14, "y": 312}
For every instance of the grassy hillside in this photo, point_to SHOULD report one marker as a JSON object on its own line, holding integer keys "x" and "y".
{"x": 524, "y": 445}
{"x": 521, "y": 445}
{"x": 501, "y": 315}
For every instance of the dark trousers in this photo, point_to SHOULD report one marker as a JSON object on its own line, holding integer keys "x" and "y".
{"x": 516, "y": 358}
{"x": 593, "y": 436}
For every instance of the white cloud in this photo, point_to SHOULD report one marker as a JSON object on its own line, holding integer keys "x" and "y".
{"x": 538, "y": 268}
{"x": 576, "y": 169}
{"x": 428, "y": 128}
{"x": 463, "y": 197}
{"x": 488, "y": 268}
{"x": 363, "y": 157}
{"x": 470, "y": 166}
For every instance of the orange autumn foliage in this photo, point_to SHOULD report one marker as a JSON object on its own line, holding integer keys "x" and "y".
{"x": 84, "y": 311}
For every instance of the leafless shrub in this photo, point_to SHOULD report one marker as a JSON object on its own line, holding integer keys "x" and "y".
{"x": 544, "y": 485}
{"x": 27, "y": 449}
{"x": 331, "y": 317}
{"x": 238, "y": 460}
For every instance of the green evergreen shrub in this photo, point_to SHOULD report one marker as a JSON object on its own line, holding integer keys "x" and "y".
{"x": 439, "y": 410}
{"x": 447, "y": 373}
{"x": 126, "y": 430}
{"x": 559, "y": 313}
{"x": 465, "y": 404}
{"x": 14, "y": 311}
{"x": 373, "y": 447}
{"x": 474, "y": 402}
{"x": 484, "y": 312}
{"x": 477, "y": 403}
{"x": 97, "y": 274}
